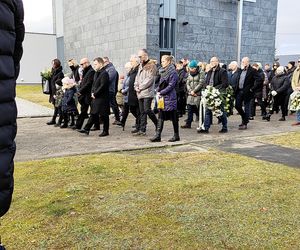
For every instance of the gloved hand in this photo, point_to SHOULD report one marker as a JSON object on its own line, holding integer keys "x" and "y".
{"x": 273, "y": 93}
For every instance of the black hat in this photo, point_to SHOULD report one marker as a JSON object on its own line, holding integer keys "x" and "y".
{"x": 292, "y": 63}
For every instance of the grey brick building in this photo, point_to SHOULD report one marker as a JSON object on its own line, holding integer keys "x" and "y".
{"x": 196, "y": 29}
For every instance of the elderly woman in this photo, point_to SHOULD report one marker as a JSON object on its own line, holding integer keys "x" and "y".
{"x": 280, "y": 85}
{"x": 166, "y": 90}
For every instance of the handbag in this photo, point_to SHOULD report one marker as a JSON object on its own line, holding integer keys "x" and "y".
{"x": 160, "y": 103}
{"x": 45, "y": 86}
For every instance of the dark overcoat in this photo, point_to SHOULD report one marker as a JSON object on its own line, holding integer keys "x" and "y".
{"x": 100, "y": 89}
{"x": 11, "y": 38}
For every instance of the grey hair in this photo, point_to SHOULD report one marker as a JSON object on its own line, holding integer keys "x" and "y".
{"x": 280, "y": 70}
{"x": 136, "y": 58}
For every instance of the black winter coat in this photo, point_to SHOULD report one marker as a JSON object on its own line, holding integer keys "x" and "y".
{"x": 233, "y": 78}
{"x": 85, "y": 88}
{"x": 251, "y": 84}
{"x": 281, "y": 84}
{"x": 11, "y": 38}
{"x": 57, "y": 76}
{"x": 220, "y": 78}
{"x": 68, "y": 101}
{"x": 100, "y": 89}
{"x": 75, "y": 73}
{"x": 132, "y": 97}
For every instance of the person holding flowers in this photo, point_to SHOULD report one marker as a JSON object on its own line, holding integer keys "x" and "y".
{"x": 217, "y": 82}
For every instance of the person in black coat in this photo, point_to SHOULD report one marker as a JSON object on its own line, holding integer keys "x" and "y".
{"x": 247, "y": 85}
{"x": 75, "y": 70}
{"x": 218, "y": 78}
{"x": 56, "y": 77}
{"x": 100, "y": 99}
{"x": 84, "y": 91}
{"x": 11, "y": 38}
{"x": 280, "y": 89}
{"x": 181, "y": 88}
{"x": 258, "y": 94}
{"x": 132, "y": 103}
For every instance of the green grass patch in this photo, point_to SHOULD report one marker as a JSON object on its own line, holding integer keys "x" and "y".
{"x": 290, "y": 140}
{"x": 34, "y": 94}
{"x": 209, "y": 200}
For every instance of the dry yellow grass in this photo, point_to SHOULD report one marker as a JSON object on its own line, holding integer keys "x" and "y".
{"x": 290, "y": 140}
{"x": 34, "y": 94}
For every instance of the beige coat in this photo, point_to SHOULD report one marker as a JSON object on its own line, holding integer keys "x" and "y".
{"x": 145, "y": 80}
{"x": 296, "y": 79}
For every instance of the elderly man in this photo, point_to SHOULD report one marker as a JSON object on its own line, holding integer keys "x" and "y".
{"x": 233, "y": 74}
{"x": 248, "y": 83}
{"x": 12, "y": 35}
{"x": 218, "y": 78}
{"x": 144, "y": 87}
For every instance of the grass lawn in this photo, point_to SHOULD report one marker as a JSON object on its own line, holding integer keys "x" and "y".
{"x": 34, "y": 94}
{"x": 209, "y": 200}
{"x": 291, "y": 139}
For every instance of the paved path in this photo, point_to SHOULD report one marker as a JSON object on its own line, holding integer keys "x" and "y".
{"x": 36, "y": 140}
{"x": 30, "y": 109}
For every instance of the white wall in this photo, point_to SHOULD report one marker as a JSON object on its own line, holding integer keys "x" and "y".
{"x": 39, "y": 51}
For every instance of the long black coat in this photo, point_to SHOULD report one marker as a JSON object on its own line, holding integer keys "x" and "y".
{"x": 132, "y": 97}
{"x": 100, "y": 89}
{"x": 251, "y": 84}
{"x": 11, "y": 38}
{"x": 85, "y": 88}
{"x": 57, "y": 76}
{"x": 220, "y": 78}
{"x": 281, "y": 84}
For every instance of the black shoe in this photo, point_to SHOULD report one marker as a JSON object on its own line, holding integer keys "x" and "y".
{"x": 64, "y": 126}
{"x": 243, "y": 127}
{"x": 186, "y": 126}
{"x": 203, "y": 131}
{"x": 282, "y": 119}
{"x": 223, "y": 130}
{"x": 156, "y": 138}
{"x": 83, "y": 131}
{"x": 94, "y": 129}
{"x": 104, "y": 134}
{"x": 174, "y": 138}
{"x": 51, "y": 122}
{"x": 135, "y": 131}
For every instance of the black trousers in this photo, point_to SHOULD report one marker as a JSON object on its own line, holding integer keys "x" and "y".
{"x": 260, "y": 103}
{"x": 83, "y": 114}
{"x": 181, "y": 103}
{"x": 114, "y": 106}
{"x": 282, "y": 101}
{"x": 145, "y": 110}
{"x": 135, "y": 111}
{"x": 94, "y": 119}
{"x": 169, "y": 115}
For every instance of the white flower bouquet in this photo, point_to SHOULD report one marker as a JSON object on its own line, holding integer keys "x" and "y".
{"x": 213, "y": 100}
{"x": 294, "y": 104}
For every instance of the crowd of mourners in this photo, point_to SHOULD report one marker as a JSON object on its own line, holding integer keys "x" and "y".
{"x": 167, "y": 90}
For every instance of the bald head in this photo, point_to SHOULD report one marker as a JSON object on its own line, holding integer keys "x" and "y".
{"x": 84, "y": 62}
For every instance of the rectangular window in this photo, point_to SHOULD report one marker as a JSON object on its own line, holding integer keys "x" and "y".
{"x": 167, "y": 33}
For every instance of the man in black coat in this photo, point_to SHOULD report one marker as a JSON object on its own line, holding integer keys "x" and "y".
{"x": 84, "y": 91}
{"x": 100, "y": 98}
{"x": 11, "y": 38}
{"x": 247, "y": 85}
{"x": 218, "y": 78}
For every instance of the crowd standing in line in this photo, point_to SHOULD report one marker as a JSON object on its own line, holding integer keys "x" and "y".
{"x": 167, "y": 90}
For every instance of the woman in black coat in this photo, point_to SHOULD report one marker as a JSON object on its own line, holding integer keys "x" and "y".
{"x": 132, "y": 103}
{"x": 100, "y": 99}
{"x": 57, "y": 76}
{"x": 280, "y": 86}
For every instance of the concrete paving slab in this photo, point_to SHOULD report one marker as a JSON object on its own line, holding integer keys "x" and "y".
{"x": 30, "y": 109}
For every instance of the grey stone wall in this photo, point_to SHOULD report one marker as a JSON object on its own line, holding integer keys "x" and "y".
{"x": 118, "y": 28}
{"x": 212, "y": 29}
{"x": 114, "y": 28}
